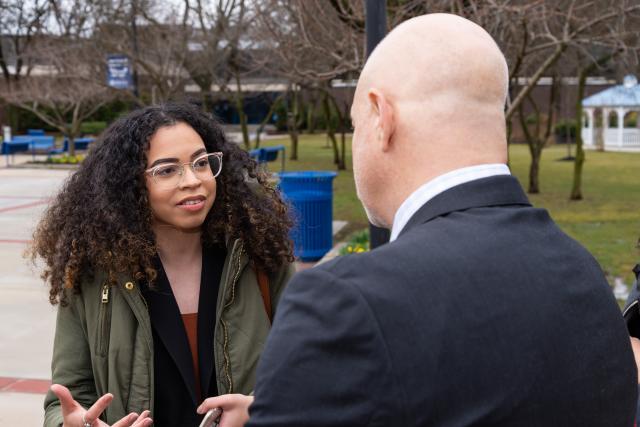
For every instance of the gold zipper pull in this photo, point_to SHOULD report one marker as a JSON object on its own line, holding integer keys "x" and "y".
{"x": 105, "y": 294}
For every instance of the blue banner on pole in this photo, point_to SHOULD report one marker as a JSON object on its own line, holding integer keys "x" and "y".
{"x": 119, "y": 74}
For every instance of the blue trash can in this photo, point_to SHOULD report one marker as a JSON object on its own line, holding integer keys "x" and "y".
{"x": 310, "y": 194}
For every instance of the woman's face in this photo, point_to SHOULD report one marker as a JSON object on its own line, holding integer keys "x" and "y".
{"x": 186, "y": 204}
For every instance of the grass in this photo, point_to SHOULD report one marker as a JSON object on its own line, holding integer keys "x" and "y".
{"x": 606, "y": 222}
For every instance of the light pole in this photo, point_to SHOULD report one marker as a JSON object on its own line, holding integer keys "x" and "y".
{"x": 376, "y": 29}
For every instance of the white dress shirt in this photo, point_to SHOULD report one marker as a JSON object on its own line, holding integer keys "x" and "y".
{"x": 438, "y": 185}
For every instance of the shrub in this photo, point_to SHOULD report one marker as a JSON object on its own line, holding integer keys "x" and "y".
{"x": 359, "y": 242}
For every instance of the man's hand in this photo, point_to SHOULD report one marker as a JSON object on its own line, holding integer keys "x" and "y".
{"x": 235, "y": 408}
{"x": 74, "y": 415}
{"x": 635, "y": 346}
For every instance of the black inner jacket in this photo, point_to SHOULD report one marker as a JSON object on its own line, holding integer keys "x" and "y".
{"x": 176, "y": 397}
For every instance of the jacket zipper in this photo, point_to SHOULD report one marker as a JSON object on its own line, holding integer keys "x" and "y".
{"x": 105, "y": 321}
{"x": 225, "y": 346}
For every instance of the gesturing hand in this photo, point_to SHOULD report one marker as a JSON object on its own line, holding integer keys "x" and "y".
{"x": 235, "y": 408}
{"x": 74, "y": 415}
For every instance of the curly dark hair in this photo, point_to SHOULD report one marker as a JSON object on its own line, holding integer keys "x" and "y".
{"x": 101, "y": 219}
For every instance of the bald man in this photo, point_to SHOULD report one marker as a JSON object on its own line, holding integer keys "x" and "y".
{"x": 480, "y": 311}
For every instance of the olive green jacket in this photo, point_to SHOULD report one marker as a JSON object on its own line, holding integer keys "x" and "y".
{"x": 103, "y": 342}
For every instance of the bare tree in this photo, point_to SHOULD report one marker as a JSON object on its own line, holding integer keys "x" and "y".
{"x": 312, "y": 43}
{"x": 220, "y": 53}
{"x": 20, "y": 24}
{"x": 72, "y": 88}
{"x": 538, "y": 128}
{"x": 154, "y": 36}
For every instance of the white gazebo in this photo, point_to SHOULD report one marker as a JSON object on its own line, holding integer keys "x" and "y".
{"x": 618, "y": 127}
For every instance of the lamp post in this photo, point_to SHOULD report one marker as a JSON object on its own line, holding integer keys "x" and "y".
{"x": 376, "y": 29}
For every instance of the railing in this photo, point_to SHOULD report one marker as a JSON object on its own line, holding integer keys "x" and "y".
{"x": 630, "y": 138}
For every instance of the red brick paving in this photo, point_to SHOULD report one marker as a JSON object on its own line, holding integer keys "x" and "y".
{"x": 24, "y": 385}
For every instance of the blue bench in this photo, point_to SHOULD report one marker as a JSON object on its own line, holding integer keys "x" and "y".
{"x": 268, "y": 154}
{"x": 9, "y": 148}
{"x": 35, "y": 132}
{"x": 79, "y": 144}
{"x": 42, "y": 143}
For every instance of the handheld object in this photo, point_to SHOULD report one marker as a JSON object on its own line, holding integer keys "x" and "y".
{"x": 211, "y": 418}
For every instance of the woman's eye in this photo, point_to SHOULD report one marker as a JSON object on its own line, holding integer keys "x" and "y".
{"x": 202, "y": 163}
{"x": 166, "y": 171}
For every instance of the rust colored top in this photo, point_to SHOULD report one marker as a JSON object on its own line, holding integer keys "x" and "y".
{"x": 190, "y": 321}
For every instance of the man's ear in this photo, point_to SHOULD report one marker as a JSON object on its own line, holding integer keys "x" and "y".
{"x": 385, "y": 120}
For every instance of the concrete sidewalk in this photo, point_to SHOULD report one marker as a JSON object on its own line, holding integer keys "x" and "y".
{"x": 27, "y": 320}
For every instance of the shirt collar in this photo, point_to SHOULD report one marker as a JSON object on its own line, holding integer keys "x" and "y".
{"x": 438, "y": 185}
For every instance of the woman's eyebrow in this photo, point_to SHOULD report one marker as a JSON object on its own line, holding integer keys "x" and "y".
{"x": 197, "y": 153}
{"x": 176, "y": 160}
{"x": 170, "y": 160}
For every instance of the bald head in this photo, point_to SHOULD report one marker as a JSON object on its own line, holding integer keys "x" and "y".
{"x": 439, "y": 55}
{"x": 433, "y": 92}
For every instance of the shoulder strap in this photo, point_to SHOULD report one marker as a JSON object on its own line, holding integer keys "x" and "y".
{"x": 263, "y": 284}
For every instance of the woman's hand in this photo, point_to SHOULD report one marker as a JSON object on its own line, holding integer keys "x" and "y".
{"x": 635, "y": 346}
{"x": 74, "y": 415}
{"x": 235, "y": 408}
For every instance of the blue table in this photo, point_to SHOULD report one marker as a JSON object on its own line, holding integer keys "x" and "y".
{"x": 268, "y": 154}
{"x": 35, "y": 132}
{"x": 79, "y": 143}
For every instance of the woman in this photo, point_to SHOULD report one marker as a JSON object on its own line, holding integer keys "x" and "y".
{"x": 167, "y": 252}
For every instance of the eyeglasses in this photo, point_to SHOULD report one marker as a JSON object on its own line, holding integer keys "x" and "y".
{"x": 169, "y": 175}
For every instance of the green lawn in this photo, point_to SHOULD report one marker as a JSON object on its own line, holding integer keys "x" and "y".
{"x": 607, "y": 222}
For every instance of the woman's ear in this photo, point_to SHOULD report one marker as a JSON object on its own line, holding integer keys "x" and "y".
{"x": 384, "y": 117}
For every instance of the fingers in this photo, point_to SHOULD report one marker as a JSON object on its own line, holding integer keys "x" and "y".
{"x": 226, "y": 402}
{"x": 98, "y": 408}
{"x": 67, "y": 403}
{"x": 126, "y": 421}
{"x": 143, "y": 420}
{"x": 135, "y": 420}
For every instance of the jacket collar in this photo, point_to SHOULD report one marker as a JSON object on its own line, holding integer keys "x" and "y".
{"x": 167, "y": 321}
{"x": 500, "y": 190}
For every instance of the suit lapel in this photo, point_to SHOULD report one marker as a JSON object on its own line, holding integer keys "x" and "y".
{"x": 167, "y": 322}
{"x": 212, "y": 264}
{"x": 499, "y": 190}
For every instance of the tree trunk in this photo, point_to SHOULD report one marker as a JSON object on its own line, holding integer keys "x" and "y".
{"x": 342, "y": 165}
{"x": 72, "y": 143}
{"x": 266, "y": 119}
{"x": 242, "y": 116}
{"x": 534, "y": 171}
{"x": 576, "y": 190}
{"x": 343, "y": 129}
{"x": 326, "y": 108}
{"x": 292, "y": 125}
{"x": 311, "y": 117}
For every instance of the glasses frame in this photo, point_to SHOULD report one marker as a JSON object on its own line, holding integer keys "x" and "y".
{"x": 192, "y": 165}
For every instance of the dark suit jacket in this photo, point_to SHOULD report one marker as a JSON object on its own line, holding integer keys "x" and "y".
{"x": 175, "y": 395}
{"x": 483, "y": 312}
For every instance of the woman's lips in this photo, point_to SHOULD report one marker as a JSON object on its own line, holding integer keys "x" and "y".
{"x": 192, "y": 205}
